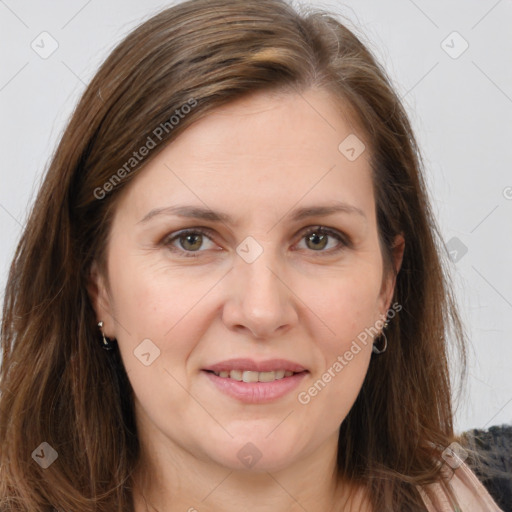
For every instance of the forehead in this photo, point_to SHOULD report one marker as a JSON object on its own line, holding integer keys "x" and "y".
{"x": 265, "y": 153}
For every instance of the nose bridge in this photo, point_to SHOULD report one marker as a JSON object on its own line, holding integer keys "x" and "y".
{"x": 262, "y": 290}
{"x": 263, "y": 303}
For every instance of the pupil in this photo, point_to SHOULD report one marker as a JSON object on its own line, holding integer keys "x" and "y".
{"x": 315, "y": 238}
{"x": 188, "y": 238}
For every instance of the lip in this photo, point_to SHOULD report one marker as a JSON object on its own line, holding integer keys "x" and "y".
{"x": 255, "y": 392}
{"x": 268, "y": 365}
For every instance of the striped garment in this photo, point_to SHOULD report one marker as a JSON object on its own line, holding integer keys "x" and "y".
{"x": 470, "y": 492}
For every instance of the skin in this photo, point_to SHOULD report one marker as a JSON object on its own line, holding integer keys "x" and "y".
{"x": 257, "y": 159}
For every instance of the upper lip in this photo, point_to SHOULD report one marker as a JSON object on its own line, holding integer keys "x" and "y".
{"x": 268, "y": 365}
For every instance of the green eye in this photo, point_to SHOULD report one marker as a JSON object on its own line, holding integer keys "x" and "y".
{"x": 191, "y": 240}
{"x": 319, "y": 237}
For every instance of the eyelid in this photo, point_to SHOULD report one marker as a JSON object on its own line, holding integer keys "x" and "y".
{"x": 343, "y": 239}
{"x": 176, "y": 235}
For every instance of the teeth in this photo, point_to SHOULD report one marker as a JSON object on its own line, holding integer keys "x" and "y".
{"x": 267, "y": 376}
{"x": 250, "y": 376}
{"x": 235, "y": 374}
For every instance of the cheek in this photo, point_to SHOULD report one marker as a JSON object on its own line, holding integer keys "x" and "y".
{"x": 348, "y": 309}
{"x": 148, "y": 298}
{"x": 156, "y": 337}
{"x": 349, "y": 305}
{"x": 166, "y": 308}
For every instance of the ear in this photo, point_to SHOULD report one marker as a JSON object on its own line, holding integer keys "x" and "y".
{"x": 389, "y": 281}
{"x": 100, "y": 299}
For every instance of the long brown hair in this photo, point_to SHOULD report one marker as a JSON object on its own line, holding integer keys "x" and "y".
{"x": 57, "y": 384}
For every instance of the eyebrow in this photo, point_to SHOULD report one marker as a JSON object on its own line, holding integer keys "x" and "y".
{"x": 197, "y": 212}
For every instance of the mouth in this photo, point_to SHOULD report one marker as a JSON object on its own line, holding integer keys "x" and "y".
{"x": 252, "y": 376}
{"x": 254, "y": 382}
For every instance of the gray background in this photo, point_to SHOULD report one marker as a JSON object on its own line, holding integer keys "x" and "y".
{"x": 460, "y": 104}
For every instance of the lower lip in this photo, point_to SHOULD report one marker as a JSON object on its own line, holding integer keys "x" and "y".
{"x": 256, "y": 392}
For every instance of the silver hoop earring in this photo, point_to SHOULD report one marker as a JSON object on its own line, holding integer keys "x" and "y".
{"x": 375, "y": 350}
{"x": 106, "y": 344}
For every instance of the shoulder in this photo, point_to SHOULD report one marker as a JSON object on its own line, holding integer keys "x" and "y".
{"x": 470, "y": 493}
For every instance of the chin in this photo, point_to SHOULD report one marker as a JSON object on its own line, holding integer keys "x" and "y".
{"x": 255, "y": 454}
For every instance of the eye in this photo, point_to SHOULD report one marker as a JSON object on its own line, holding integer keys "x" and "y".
{"x": 191, "y": 240}
{"x": 317, "y": 239}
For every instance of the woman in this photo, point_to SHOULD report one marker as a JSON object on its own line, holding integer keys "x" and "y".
{"x": 236, "y": 214}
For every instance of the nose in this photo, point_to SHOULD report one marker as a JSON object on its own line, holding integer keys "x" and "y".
{"x": 259, "y": 299}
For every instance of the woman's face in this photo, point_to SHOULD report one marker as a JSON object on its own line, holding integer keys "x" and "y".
{"x": 260, "y": 289}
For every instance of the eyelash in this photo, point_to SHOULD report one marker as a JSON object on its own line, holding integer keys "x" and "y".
{"x": 319, "y": 230}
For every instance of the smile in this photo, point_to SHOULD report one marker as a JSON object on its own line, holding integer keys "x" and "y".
{"x": 251, "y": 376}
{"x": 252, "y": 387}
